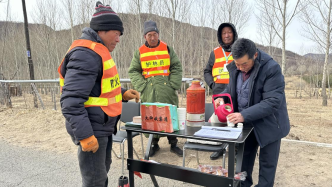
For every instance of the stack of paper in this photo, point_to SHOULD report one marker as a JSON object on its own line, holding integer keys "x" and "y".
{"x": 222, "y": 128}
{"x": 219, "y": 132}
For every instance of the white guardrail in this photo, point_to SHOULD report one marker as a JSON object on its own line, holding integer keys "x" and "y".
{"x": 57, "y": 80}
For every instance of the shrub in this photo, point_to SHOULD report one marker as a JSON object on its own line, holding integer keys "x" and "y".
{"x": 313, "y": 78}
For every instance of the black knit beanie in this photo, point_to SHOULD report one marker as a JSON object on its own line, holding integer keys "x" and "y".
{"x": 105, "y": 19}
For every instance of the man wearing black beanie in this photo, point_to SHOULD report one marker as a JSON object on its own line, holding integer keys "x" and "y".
{"x": 91, "y": 99}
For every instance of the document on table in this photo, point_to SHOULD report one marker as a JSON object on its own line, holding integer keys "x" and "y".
{"x": 222, "y": 128}
{"x": 218, "y": 134}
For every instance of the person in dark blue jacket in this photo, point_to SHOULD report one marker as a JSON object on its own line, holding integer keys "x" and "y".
{"x": 257, "y": 88}
{"x": 92, "y": 96}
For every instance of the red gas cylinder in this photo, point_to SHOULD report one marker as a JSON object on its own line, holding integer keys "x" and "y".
{"x": 196, "y": 102}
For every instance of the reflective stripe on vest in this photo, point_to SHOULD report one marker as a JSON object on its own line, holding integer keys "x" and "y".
{"x": 98, "y": 101}
{"x": 155, "y": 61}
{"x": 110, "y": 99}
{"x": 218, "y": 73}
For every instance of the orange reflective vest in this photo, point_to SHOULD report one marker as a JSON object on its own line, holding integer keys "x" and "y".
{"x": 154, "y": 61}
{"x": 110, "y": 99}
{"x": 219, "y": 71}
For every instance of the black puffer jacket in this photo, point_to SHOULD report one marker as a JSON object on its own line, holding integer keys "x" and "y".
{"x": 217, "y": 88}
{"x": 82, "y": 70}
{"x": 267, "y": 111}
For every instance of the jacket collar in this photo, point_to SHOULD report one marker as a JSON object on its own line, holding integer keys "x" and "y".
{"x": 90, "y": 34}
{"x": 147, "y": 44}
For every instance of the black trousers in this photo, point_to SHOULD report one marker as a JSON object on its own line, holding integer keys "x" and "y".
{"x": 171, "y": 140}
{"x": 268, "y": 161}
{"x": 95, "y": 166}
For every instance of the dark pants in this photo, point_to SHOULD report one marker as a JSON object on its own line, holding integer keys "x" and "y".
{"x": 171, "y": 140}
{"x": 95, "y": 166}
{"x": 268, "y": 161}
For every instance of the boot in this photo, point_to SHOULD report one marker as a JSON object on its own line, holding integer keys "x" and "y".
{"x": 175, "y": 149}
{"x": 216, "y": 155}
{"x": 154, "y": 148}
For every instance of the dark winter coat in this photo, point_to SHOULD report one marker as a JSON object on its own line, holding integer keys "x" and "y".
{"x": 267, "y": 111}
{"x": 217, "y": 88}
{"x": 83, "y": 70}
{"x": 157, "y": 88}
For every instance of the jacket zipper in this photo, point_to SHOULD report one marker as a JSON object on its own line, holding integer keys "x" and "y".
{"x": 276, "y": 120}
{"x": 252, "y": 83}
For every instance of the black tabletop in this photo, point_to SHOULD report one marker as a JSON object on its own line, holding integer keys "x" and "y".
{"x": 189, "y": 131}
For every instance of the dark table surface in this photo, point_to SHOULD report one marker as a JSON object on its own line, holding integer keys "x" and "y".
{"x": 189, "y": 131}
{"x": 181, "y": 173}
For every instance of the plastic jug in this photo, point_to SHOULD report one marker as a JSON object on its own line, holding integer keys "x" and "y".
{"x": 224, "y": 109}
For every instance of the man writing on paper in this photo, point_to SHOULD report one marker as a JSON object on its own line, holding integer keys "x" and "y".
{"x": 257, "y": 88}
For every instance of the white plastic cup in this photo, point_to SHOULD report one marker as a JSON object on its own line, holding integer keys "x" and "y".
{"x": 182, "y": 118}
{"x": 230, "y": 124}
{"x": 240, "y": 125}
{"x": 182, "y": 125}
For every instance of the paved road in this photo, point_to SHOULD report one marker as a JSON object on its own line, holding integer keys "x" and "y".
{"x": 26, "y": 167}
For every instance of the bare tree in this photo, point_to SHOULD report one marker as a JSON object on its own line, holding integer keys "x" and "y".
{"x": 137, "y": 9}
{"x": 266, "y": 32}
{"x": 213, "y": 19}
{"x": 237, "y": 12}
{"x": 4, "y": 42}
{"x": 172, "y": 10}
{"x": 201, "y": 19}
{"x": 301, "y": 63}
{"x": 177, "y": 10}
{"x": 150, "y": 6}
{"x": 280, "y": 10}
{"x": 317, "y": 20}
{"x": 85, "y": 12}
{"x": 68, "y": 7}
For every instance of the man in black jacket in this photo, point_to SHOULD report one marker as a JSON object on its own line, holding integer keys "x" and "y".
{"x": 92, "y": 96}
{"x": 257, "y": 88}
{"x": 215, "y": 74}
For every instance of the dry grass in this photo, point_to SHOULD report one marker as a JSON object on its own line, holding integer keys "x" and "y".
{"x": 299, "y": 164}
{"x": 310, "y": 121}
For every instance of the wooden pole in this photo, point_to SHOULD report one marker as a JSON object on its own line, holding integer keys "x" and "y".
{"x": 27, "y": 38}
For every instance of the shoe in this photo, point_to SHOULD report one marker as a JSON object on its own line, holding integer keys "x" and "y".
{"x": 177, "y": 151}
{"x": 216, "y": 155}
{"x": 154, "y": 148}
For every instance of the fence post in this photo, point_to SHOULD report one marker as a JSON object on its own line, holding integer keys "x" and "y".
{"x": 53, "y": 97}
{"x": 6, "y": 95}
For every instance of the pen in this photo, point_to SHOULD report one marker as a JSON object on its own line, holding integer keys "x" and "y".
{"x": 220, "y": 130}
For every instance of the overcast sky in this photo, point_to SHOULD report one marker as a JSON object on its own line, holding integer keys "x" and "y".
{"x": 295, "y": 41}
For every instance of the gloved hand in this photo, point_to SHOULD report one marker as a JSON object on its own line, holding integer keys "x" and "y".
{"x": 131, "y": 94}
{"x": 90, "y": 144}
